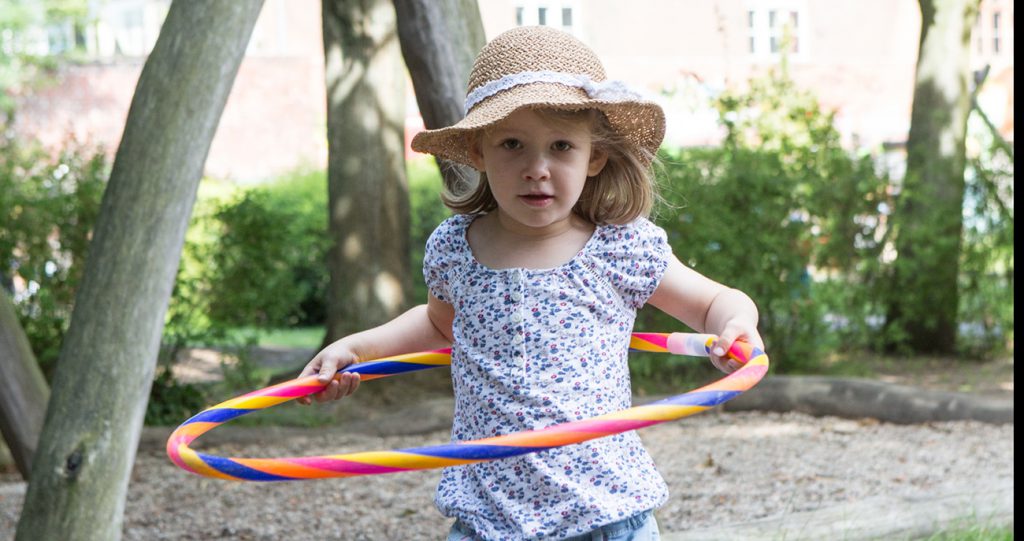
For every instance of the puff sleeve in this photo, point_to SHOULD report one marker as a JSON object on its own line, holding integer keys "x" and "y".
{"x": 633, "y": 258}
{"x": 441, "y": 257}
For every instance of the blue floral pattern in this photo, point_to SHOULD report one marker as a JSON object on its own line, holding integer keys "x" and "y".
{"x": 538, "y": 347}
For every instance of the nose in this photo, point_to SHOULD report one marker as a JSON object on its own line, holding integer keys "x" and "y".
{"x": 536, "y": 168}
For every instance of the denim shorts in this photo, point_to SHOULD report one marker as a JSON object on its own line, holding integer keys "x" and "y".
{"x": 639, "y": 527}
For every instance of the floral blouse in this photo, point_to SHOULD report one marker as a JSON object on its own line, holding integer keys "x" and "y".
{"x": 538, "y": 347}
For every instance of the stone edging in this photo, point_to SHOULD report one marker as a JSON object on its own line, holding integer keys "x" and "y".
{"x": 855, "y": 398}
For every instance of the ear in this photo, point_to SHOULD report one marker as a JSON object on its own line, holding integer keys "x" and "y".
{"x": 476, "y": 156}
{"x": 598, "y": 159}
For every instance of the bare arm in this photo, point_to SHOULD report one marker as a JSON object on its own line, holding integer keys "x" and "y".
{"x": 708, "y": 306}
{"x": 424, "y": 327}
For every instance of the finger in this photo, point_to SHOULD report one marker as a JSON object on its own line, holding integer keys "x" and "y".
{"x": 330, "y": 392}
{"x": 724, "y": 343}
{"x": 327, "y": 371}
{"x": 350, "y": 383}
{"x": 718, "y": 364}
{"x": 311, "y": 368}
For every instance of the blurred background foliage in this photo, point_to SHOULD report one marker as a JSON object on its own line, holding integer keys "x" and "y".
{"x": 780, "y": 210}
{"x": 20, "y": 65}
{"x": 48, "y": 204}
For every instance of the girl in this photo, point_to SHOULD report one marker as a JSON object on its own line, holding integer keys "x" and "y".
{"x": 534, "y": 284}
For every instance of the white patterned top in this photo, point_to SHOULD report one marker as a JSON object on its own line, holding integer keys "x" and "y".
{"x": 538, "y": 347}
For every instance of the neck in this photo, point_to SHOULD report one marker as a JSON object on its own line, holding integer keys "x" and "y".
{"x": 522, "y": 232}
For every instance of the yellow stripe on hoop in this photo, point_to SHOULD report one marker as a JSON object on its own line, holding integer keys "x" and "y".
{"x": 396, "y": 459}
{"x": 253, "y": 402}
{"x": 190, "y": 457}
{"x": 652, "y": 413}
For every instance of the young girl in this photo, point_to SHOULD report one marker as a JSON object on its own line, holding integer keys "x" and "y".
{"x": 534, "y": 284}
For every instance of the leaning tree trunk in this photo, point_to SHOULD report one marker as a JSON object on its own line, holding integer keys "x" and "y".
{"x": 23, "y": 390}
{"x": 928, "y": 218}
{"x": 368, "y": 196}
{"x": 440, "y": 39}
{"x": 87, "y": 448}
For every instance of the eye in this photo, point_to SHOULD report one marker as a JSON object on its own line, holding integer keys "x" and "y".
{"x": 511, "y": 144}
{"x": 562, "y": 146}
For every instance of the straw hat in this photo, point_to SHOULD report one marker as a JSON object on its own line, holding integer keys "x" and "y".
{"x": 538, "y": 66}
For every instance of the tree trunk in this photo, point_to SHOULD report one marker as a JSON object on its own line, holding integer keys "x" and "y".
{"x": 87, "y": 448}
{"x": 439, "y": 41}
{"x": 23, "y": 390}
{"x": 368, "y": 195}
{"x": 929, "y": 213}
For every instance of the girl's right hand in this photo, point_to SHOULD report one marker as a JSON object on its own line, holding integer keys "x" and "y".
{"x": 326, "y": 365}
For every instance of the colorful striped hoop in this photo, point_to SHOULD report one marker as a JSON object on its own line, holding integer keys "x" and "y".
{"x": 420, "y": 458}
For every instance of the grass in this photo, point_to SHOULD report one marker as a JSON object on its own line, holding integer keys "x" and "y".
{"x": 299, "y": 337}
{"x": 975, "y": 532}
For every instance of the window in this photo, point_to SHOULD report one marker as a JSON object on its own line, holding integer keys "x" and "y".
{"x": 776, "y": 27}
{"x": 995, "y": 32}
{"x": 563, "y": 15}
{"x": 782, "y": 30}
{"x": 976, "y": 31}
{"x": 60, "y": 38}
{"x": 752, "y": 29}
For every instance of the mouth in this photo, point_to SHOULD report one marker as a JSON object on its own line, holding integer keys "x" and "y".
{"x": 537, "y": 199}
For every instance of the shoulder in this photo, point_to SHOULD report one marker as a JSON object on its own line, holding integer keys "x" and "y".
{"x": 451, "y": 231}
{"x": 453, "y": 224}
{"x": 445, "y": 253}
{"x": 628, "y": 236}
{"x": 447, "y": 243}
{"x": 632, "y": 258}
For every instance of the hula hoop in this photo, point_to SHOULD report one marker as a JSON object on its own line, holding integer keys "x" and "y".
{"x": 438, "y": 456}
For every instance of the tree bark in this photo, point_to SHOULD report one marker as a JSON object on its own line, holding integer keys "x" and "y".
{"x": 368, "y": 195}
{"x": 23, "y": 390}
{"x": 440, "y": 40}
{"x": 106, "y": 366}
{"x": 929, "y": 213}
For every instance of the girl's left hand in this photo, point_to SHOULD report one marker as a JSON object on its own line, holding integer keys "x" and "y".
{"x": 735, "y": 329}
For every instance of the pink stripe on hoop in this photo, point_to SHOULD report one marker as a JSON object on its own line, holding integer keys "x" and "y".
{"x": 656, "y": 339}
{"x": 347, "y": 466}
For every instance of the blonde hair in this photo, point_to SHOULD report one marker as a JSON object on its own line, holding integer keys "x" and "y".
{"x": 623, "y": 191}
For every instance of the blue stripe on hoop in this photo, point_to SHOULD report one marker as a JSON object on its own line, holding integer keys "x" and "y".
{"x": 386, "y": 367}
{"x": 700, "y": 398}
{"x": 473, "y": 451}
{"x": 230, "y": 467}
{"x": 218, "y": 415}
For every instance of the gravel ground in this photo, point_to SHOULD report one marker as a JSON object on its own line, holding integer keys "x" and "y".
{"x": 721, "y": 468}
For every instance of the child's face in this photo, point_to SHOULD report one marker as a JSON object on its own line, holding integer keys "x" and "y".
{"x": 536, "y": 167}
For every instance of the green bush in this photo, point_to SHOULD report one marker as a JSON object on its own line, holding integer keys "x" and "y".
{"x": 427, "y": 213}
{"x": 779, "y": 200}
{"x": 262, "y": 260}
{"x": 170, "y": 401}
{"x": 986, "y": 259}
{"x": 257, "y": 257}
{"x": 48, "y": 205}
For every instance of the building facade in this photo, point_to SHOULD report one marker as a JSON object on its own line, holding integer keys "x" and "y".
{"x": 857, "y": 56}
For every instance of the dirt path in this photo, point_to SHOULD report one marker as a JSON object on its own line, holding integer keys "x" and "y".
{"x": 726, "y": 471}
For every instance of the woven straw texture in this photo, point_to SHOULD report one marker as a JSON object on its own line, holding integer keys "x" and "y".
{"x": 539, "y": 48}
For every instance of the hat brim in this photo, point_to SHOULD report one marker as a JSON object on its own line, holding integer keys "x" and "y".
{"x": 641, "y": 122}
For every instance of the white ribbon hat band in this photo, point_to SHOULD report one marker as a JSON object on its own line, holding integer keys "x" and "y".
{"x": 597, "y": 90}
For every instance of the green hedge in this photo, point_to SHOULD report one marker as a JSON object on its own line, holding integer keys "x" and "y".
{"x": 48, "y": 205}
{"x": 779, "y": 210}
{"x": 257, "y": 257}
